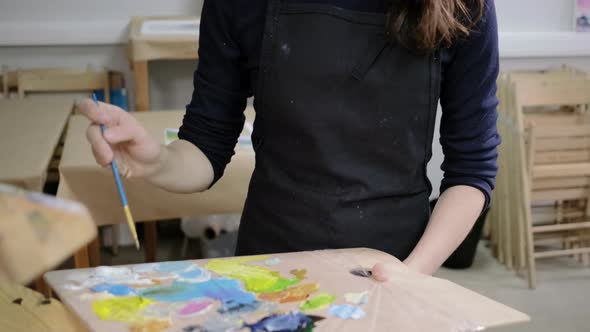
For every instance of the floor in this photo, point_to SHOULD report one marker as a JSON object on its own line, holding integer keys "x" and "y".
{"x": 560, "y": 303}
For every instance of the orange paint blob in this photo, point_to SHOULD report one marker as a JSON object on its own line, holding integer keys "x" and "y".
{"x": 292, "y": 294}
{"x": 150, "y": 326}
{"x": 299, "y": 274}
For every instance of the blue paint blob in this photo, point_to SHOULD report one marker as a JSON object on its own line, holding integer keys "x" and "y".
{"x": 173, "y": 267}
{"x": 235, "y": 308}
{"x": 347, "y": 311}
{"x": 291, "y": 322}
{"x": 191, "y": 274}
{"x": 117, "y": 290}
{"x": 272, "y": 261}
{"x": 224, "y": 290}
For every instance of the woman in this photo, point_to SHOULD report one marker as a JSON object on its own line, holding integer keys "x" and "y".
{"x": 346, "y": 94}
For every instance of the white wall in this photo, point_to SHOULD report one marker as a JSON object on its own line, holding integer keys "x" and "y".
{"x": 94, "y": 33}
{"x": 535, "y": 15}
{"x": 83, "y": 10}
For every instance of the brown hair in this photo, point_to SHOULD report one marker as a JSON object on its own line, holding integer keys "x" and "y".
{"x": 425, "y": 25}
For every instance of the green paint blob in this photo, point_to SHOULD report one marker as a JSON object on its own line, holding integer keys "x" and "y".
{"x": 318, "y": 302}
{"x": 256, "y": 279}
{"x": 280, "y": 285}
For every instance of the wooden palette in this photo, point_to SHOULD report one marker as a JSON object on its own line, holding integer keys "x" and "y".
{"x": 410, "y": 302}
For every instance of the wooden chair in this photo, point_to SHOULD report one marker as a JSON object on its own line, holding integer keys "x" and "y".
{"x": 541, "y": 154}
{"x": 503, "y": 238}
{"x": 559, "y": 173}
{"x": 59, "y": 80}
{"x": 62, "y": 80}
{"x": 4, "y": 82}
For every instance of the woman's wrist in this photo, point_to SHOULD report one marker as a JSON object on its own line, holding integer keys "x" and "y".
{"x": 416, "y": 265}
{"x": 156, "y": 170}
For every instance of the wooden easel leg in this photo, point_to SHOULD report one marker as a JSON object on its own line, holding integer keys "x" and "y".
{"x": 81, "y": 259}
{"x": 115, "y": 231}
{"x": 94, "y": 252}
{"x": 141, "y": 76}
{"x": 150, "y": 232}
{"x": 184, "y": 250}
{"x": 42, "y": 287}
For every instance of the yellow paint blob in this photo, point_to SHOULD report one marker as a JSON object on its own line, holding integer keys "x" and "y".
{"x": 121, "y": 309}
{"x": 257, "y": 279}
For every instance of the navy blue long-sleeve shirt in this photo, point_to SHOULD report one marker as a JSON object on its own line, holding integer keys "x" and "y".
{"x": 229, "y": 53}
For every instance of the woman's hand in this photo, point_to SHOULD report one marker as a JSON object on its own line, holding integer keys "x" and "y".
{"x": 136, "y": 152}
{"x": 384, "y": 272}
{"x": 453, "y": 217}
{"x": 179, "y": 167}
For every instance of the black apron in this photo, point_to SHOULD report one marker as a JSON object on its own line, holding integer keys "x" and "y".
{"x": 343, "y": 133}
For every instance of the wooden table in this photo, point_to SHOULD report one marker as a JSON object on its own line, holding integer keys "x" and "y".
{"x": 82, "y": 180}
{"x": 30, "y": 130}
{"x": 144, "y": 48}
{"x": 409, "y": 302}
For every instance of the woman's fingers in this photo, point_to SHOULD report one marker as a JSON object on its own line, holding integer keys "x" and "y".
{"x": 120, "y": 134}
{"x": 100, "y": 113}
{"x": 103, "y": 153}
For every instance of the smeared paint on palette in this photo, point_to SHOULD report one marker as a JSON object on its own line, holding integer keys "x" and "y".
{"x": 223, "y": 323}
{"x": 299, "y": 274}
{"x": 150, "y": 326}
{"x": 224, "y": 293}
{"x": 294, "y": 321}
{"x": 318, "y": 302}
{"x": 117, "y": 290}
{"x": 121, "y": 309}
{"x": 224, "y": 290}
{"x": 357, "y": 298}
{"x": 347, "y": 311}
{"x": 272, "y": 261}
{"x": 173, "y": 267}
{"x": 198, "y": 307}
{"x": 195, "y": 274}
{"x": 106, "y": 275}
{"x": 257, "y": 279}
{"x": 292, "y": 294}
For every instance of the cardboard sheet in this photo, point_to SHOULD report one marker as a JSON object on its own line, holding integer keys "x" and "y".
{"x": 81, "y": 179}
{"x": 30, "y": 130}
{"x": 409, "y": 302}
{"x": 146, "y": 44}
{"x": 38, "y": 232}
{"x": 30, "y": 316}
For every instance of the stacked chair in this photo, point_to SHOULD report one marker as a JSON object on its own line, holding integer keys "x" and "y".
{"x": 25, "y": 82}
{"x": 22, "y": 82}
{"x": 541, "y": 207}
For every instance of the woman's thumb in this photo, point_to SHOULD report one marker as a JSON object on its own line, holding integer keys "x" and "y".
{"x": 382, "y": 272}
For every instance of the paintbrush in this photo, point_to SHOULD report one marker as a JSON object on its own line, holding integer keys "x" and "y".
{"x": 121, "y": 190}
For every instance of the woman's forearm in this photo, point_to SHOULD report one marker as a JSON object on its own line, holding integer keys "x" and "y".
{"x": 453, "y": 217}
{"x": 182, "y": 168}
